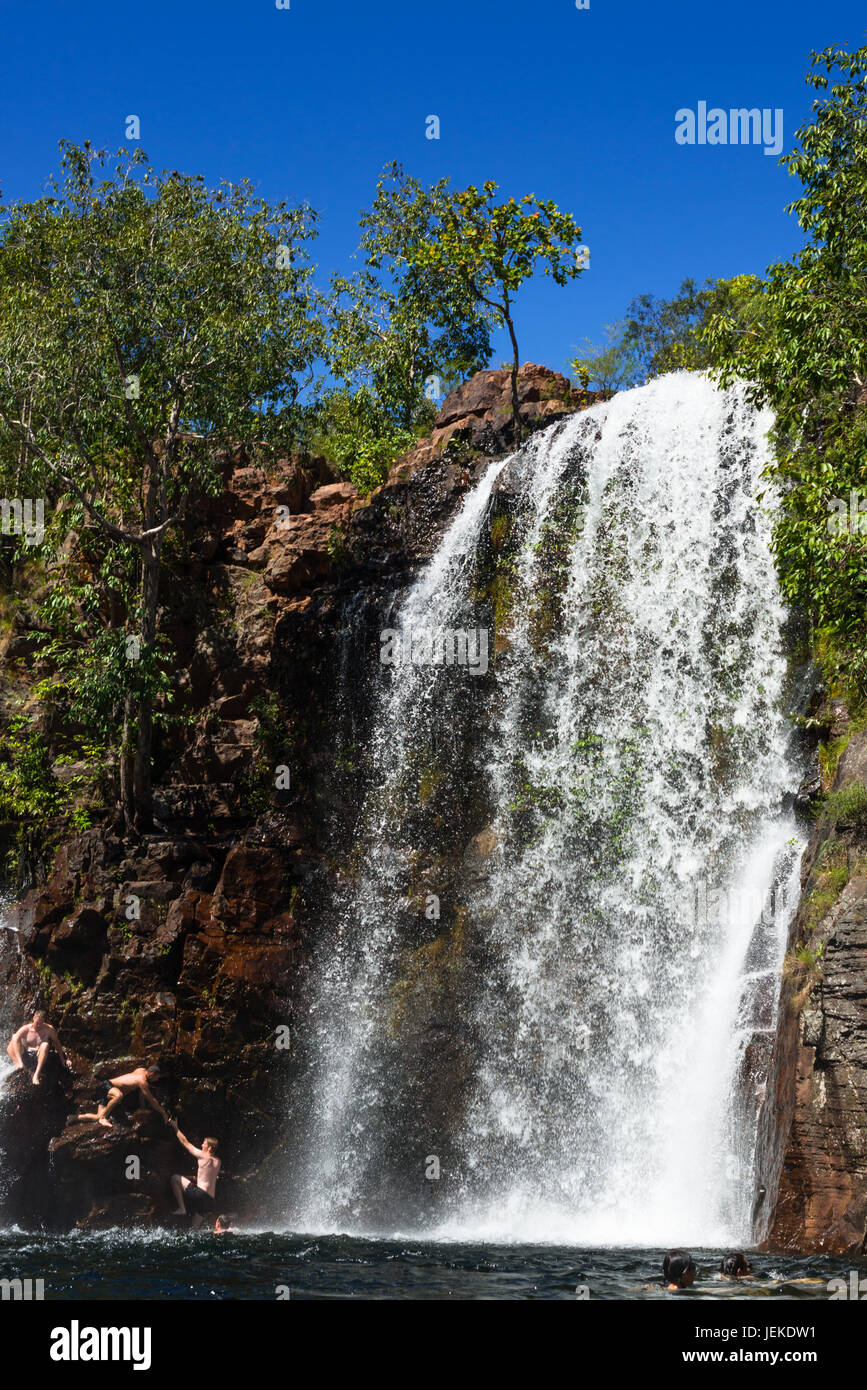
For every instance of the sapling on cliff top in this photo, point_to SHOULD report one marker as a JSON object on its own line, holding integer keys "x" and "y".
{"x": 488, "y": 249}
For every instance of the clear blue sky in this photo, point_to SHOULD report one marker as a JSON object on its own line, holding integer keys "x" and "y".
{"x": 576, "y": 105}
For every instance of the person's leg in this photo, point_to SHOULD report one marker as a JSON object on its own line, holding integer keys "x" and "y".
{"x": 41, "y": 1054}
{"x": 179, "y": 1185}
{"x": 196, "y": 1221}
{"x": 114, "y": 1098}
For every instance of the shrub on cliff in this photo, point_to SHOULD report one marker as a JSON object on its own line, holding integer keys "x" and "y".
{"x": 358, "y": 438}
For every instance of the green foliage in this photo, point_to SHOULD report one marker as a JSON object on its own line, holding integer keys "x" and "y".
{"x": 94, "y": 672}
{"x": 359, "y": 438}
{"x": 271, "y": 726}
{"x": 830, "y": 876}
{"x": 396, "y": 325}
{"x": 670, "y": 335}
{"x": 146, "y": 323}
{"x": 809, "y": 363}
{"x": 28, "y": 790}
{"x": 491, "y": 248}
{"x": 818, "y": 542}
{"x": 811, "y": 957}
{"x": 830, "y": 755}
{"x": 272, "y": 745}
{"x": 813, "y": 347}
{"x": 204, "y": 296}
{"x": 803, "y": 969}
{"x": 611, "y": 367}
{"x": 847, "y": 805}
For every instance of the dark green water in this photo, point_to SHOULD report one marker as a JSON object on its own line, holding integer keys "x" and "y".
{"x": 158, "y": 1265}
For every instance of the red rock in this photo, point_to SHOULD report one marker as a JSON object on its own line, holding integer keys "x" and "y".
{"x": 334, "y": 494}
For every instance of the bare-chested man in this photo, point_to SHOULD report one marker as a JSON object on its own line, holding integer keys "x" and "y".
{"x": 30, "y": 1046}
{"x": 119, "y": 1087}
{"x": 197, "y": 1197}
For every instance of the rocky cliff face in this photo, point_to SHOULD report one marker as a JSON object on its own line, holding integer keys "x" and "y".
{"x": 813, "y": 1129}
{"x": 191, "y": 945}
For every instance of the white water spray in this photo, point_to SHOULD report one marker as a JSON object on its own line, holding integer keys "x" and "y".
{"x": 634, "y": 759}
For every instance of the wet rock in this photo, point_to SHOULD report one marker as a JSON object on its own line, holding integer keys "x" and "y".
{"x": 479, "y": 853}
{"x": 812, "y": 1149}
{"x": 30, "y": 1117}
{"x": 810, "y": 789}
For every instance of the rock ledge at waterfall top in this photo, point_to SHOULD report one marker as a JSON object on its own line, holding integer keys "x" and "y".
{"x": 272, "y": 577}
{"x": 478, "y": 413}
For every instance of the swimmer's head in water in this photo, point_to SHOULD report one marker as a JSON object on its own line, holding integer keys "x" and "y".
{"x": 223, "y": 1223}
{"x": 735, "y": 1265}
{"x": 678, "y": 1268}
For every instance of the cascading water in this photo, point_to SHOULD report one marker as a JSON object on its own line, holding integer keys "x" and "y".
{"x": 612, "y": 968}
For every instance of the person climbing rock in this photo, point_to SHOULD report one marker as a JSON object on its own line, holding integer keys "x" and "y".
{"x": 197, "y": 1198}
{"x": 119, "y": 1087}
{"x": 30, "y": 1046}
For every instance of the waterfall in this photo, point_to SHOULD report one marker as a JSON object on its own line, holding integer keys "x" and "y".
{"x": 580, "y": 1041}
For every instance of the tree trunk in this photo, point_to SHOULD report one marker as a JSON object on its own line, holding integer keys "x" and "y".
{"x": 516, "y": 418}
{"x": 127, "y": 797}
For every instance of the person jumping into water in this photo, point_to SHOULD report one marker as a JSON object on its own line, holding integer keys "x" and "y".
{"x": 30, "y": 1046}
{"x": 197, "y": 1198}
{"x": 119, "y": 1087}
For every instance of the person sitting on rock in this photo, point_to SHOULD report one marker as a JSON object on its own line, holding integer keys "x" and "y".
{"x": 30, "y": 1046}
{"x": 118, "y": 1087}
{"x": 197, "y": 1198}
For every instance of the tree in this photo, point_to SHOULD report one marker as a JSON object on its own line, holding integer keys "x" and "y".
{"x": 147, "y": 323}
{"x": 492, "y": 248}
{"x": 806, "y": 358}
{"x": 398, "y": 335}
{"x": 409, "y": 322}
{"x": 668, "y": 335}
{"x": 608, "y": 368}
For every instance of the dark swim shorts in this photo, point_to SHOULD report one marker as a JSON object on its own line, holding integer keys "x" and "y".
{"x": 197, "y": 1201}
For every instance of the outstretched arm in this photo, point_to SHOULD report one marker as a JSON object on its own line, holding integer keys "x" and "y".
{"x": 190, "y": 1148}
{"x": 152, "y": 1101}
